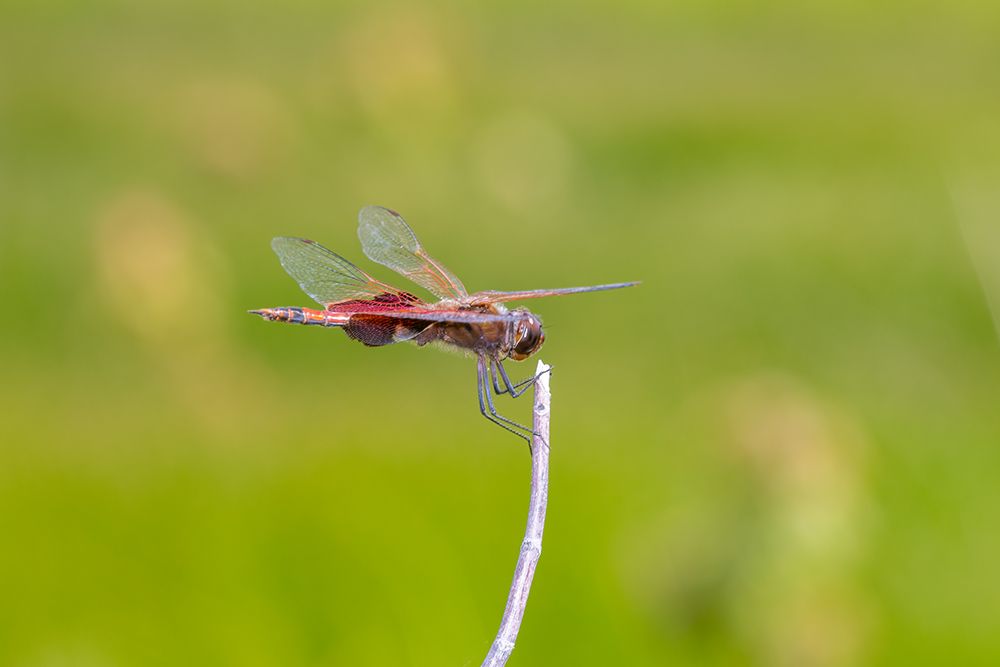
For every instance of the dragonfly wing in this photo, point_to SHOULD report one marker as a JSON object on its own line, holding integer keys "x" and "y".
{"x": 388, "y": 240}
{"x": 498, "y": 297}
{"x": 326, "y": 276}
{"x": 429, "y": 314}
{"x": 379, "y": 330}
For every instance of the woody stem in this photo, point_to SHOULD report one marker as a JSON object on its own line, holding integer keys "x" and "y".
{"x": 531, "y": 547}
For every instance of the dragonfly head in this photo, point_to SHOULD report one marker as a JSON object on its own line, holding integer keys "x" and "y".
{"x": 528, "y": 336}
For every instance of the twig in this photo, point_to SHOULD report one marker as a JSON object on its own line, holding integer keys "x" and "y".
{"x": 531, "y": 547}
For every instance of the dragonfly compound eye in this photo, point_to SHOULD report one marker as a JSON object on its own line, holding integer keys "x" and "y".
{"x": 528, "y": 339}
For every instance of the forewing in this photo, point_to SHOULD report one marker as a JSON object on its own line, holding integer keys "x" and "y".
{"x": 498, "y": 297}
{"x": 388, "y": 240}
{"x": 324, "y": 275}
{"x": 443, "y": 316}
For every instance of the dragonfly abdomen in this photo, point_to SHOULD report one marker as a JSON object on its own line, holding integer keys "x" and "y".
{"x": 296, "y": 315}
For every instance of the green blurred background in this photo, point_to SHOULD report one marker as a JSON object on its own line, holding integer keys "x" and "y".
{"x": 781, "y": 449}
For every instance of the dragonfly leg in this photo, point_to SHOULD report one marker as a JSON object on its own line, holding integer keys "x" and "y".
{"x": 510, "y": 388}
{"x": 497, "y": 389}
{"x": 485, "y": 398}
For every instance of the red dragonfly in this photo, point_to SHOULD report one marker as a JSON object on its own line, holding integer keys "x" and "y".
{"x": 378, "y": 314}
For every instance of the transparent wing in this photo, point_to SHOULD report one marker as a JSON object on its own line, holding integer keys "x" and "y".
{"x": 429, "y": 314}
{"x": 388, "y": 240}
{"x": 324, "y": 275}
{"x": 497, "y": 297}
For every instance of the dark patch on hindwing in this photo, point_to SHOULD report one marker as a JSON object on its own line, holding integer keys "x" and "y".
{"x": 375, "y": 330}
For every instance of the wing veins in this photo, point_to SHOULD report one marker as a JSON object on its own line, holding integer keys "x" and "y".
{"x": 324, "y": 275}
{"x": 387, "y": 239}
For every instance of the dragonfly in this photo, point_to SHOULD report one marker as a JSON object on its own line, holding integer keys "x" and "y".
{"x": 376, "y": 313}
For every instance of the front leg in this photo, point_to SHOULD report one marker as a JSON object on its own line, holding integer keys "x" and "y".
{"x": 496, "y": 369}
{"x": 486, "y": 399}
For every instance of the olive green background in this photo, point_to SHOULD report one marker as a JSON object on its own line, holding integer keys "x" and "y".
{"x": 783, "y": 448}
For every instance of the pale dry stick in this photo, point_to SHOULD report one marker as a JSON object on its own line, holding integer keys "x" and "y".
{"x": 531, "y": 547}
